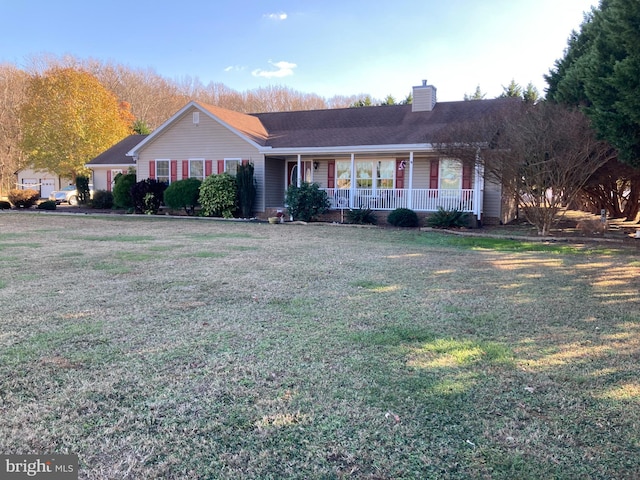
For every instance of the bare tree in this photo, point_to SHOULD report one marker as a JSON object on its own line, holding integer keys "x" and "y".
{"x": 542, "y": 154}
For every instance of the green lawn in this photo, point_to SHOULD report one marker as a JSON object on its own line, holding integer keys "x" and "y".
{"x": 191, "y": 348}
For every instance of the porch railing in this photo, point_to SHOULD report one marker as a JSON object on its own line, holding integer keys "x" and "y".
{"x": 425, "y": 200}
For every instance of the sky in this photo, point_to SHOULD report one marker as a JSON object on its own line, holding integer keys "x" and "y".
{"x": 324, "y": 47}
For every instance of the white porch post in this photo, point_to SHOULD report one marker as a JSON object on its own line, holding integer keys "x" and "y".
{"x": 478, "y": 192}
{"x": 410, "y": 199}
{"x": 299, "y": 171}
{"x": 352, "y": 189}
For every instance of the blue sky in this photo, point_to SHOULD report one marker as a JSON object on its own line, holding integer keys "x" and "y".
{"x": 327, "y": 47}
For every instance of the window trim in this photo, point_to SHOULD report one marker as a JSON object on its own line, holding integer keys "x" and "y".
{"x": 168, "y": 176}
{"x": 231, "y": 159}
{"x": 375, "y": 173}
{"x": 201, "y": 160}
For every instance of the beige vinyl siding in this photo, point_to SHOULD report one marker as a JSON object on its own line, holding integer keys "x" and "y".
{"x": 274, "y": 187}
{"x": 320, "y": 176}
{"x": 492, "y": 204}
{"x": 100, "y": 178}
{"x": 421, "y": 170}
{"x": 209, "y": 140}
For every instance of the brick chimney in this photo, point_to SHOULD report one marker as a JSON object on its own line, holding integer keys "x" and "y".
{"x": 424, "y": 98}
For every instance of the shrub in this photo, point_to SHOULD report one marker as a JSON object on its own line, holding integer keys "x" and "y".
{"x": 183, "y": 194}
{"x": 246, "y": 189}
{"x": 23, "y": 198}
{"x": 307, "y": 201}
{"x": 146, "y": 195}
{"x": 361, "y": 216}
{"x": 47, "y": 205}
{"x": 122, "y": 190}
{"x": 218, "y": 195}
{"x": 82, "y": 186}
{"x": 447, "y": 219}
{"x": 102, "y": 199}
{"x": 403, "y": 217}
{"x": 4, "y": 205}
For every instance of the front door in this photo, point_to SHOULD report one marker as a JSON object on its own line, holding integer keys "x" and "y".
{"x": 292, "y": 172}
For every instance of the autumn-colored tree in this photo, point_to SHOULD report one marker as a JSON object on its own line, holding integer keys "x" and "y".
{"x": 70, "y": 118}
{"x": 13, "y": 83}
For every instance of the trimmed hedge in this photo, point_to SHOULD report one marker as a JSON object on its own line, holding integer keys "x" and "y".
{"x": 218, "y": 196}
{"x": 307, "y": 201}
{"x": 102, "y": 199}
{"x": 47, "y": 205}
{"x": 23, "y": 198}
{"x": 183, "y": 194}
{"x": 403, "y": 217}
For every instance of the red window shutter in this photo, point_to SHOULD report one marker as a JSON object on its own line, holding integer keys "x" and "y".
{"x": 152, "y": 169}
{"x": 174, "y": 170}
{"x": 108, "y": 180}
{"x": 400, "y": 166}
{"x": 331, "y": 174}
{"x": 220, "y": 166}
{"x": 466, "y": 176}
{"x": 433, "y": 174}
{"x": 208, "y": 167}
{"x": 185, "y": 169}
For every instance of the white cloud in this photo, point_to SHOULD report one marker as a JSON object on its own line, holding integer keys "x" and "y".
{"x": 234, "y": 68}
{"x": 276, "y": 16}
{"x": 283, "y": 69}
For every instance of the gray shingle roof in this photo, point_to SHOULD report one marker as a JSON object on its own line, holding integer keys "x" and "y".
{"x": 382, "y": 125}
{"x": 117, "y": 155}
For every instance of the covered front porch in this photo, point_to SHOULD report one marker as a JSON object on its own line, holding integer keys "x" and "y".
{"x": 420, "y": 199}
{"x": 421, "y": 181}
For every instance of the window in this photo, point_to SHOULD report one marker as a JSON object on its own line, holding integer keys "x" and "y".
{"x": 231, "y": 165}
{"x": 343, "y": 174}
{"x": 162, "y": 171}
{"x": 450, "y": 174}
{"x": 369, "y": 174}
{"x": 196, "y": 168}
{"x": 112, "y": 176}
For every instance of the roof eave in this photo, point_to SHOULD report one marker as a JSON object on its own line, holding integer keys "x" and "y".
{"x": 110, "y": 165}
{"x": 403, "y": 147}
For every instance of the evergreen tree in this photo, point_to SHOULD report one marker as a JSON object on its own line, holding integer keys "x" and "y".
{"x": 600, "y": 72}
{"x": 477, "y": 95}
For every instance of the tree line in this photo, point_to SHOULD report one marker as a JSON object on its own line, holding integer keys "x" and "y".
{"x": 97, "y": 103}
{"x": 589, "y": 121}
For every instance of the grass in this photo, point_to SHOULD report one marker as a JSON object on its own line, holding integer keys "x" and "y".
{"x": 173, "y": 348}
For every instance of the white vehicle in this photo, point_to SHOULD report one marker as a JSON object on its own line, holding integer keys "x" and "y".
{"x": 68, "y": 194}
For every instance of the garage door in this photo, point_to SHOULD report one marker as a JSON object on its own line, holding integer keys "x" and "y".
{"x": 48, "y": 186}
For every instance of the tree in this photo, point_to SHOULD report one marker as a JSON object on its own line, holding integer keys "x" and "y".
{"x": 68, "y": 119}
{"x": 611, "y": 76}
{"x": 389, "y": 100}
{"x": 140, "y": 127}
{"x": 477, "y": 95}
{"x": 530, "y": 94}
{"x": 511, "y": 90}
{"x": 247, "y": 189}
{"x": 13, "y": 82}
{"x": 611, "y": 188}
{"x": 542, "y": 154}
{"x": 599, "y": 73}
{"x": 364, "y": 101}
